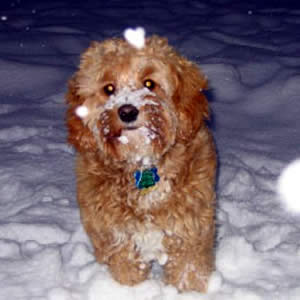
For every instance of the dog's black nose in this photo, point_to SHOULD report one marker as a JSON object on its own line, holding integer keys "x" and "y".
{"x": 128, "y": 113}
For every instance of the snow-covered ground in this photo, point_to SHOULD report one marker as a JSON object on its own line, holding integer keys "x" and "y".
{"x": 250, "y": 53}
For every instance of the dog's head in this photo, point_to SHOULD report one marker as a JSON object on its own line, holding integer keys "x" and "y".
{"x": 140, "y": 101}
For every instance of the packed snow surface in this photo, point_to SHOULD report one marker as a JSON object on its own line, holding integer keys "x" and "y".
{"x": 250, "y": 54}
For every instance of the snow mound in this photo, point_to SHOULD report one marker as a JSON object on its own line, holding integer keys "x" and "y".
{"x": 41, "y": 233}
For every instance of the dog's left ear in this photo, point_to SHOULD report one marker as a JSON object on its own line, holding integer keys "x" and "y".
{"x": 191, "y": 104}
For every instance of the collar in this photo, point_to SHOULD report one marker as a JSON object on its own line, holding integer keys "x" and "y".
{"x": 147, "y": 178}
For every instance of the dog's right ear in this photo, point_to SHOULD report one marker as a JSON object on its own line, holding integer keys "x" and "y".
{"x": 190, "y": 102}
{"x": 79, "y": 135}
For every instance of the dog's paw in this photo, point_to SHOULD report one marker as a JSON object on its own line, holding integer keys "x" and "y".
{"x": 128, "y": 270}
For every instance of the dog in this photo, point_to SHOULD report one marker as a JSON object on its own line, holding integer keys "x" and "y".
{"x": 146, "y": 161}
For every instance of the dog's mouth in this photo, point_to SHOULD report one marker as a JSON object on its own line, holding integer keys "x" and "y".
{"x": 137, "y": 134}
{"x": 130, "y": 128}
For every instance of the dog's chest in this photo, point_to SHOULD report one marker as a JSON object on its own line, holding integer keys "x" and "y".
{"x": 155, "y": 195}
{"x": 149, "y": 244}
{"x": 148, "y": 239}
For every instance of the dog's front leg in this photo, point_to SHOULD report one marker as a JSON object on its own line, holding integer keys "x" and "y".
{"x": 189, "y": 265}
{"x": 117, "y": 250}
{"x": 127, "y": 267}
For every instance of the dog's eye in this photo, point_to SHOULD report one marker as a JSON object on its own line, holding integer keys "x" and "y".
{"x": 109, "y": 89}
{"x": 149, "y": 84}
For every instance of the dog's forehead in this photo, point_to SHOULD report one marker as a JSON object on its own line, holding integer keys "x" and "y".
{"x": 137, "y": 63}
{"x": 133, "y": 68}
{"x": 147, "y": 64}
